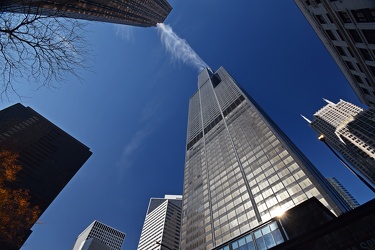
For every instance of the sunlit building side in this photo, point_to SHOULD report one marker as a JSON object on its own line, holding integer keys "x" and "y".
{"x": 99, "y": 236}
{"x": 241, "y": 170}
{"x": 161, "y": 229}
{"x": 350, "y": 131}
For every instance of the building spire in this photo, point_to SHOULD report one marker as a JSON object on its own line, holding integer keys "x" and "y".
{"x": 306, "y": 119}
{"x": 327, "y": 101}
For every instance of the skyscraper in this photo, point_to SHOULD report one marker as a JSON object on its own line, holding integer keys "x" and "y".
{"x": 353, "y": 203}
{"x": 49, "y": 157}
{"x": 131, "y": 12}
{"x": 349, "y": 130}
{"x": 98, "y": 236}
{"x": 162, "y": 224}
{"x": 347, "y": 30}
{"x": 241, "y": 170}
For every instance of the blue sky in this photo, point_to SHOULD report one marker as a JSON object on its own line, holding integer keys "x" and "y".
{"x": 131, "y": 109}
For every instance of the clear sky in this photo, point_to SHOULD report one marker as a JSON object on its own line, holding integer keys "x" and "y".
{"x": 131, "y": 109}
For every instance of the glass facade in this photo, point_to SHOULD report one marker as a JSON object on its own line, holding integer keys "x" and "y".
{"x": 136, "y": 12}
{"x": 240, "y": 169}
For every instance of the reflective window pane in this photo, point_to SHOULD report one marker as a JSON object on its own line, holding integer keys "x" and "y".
{"x": 277, "y": 236}
{"x": 257, "y": 234}
{"x": 268, "y": 239}
{"x": 260, "y": 244}
{"x": 250, "y": 246}
{"x": 241, "y": 242}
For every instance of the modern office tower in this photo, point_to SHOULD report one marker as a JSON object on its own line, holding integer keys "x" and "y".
{"x": 241, "y": 170}
{"x": 162, "y": 224}
{"x": 347, "y": 30}
{"x": 130, "y": 12}
{"x": 98, "y": 236}
{"x": 49, "y": 157}
{"x": 350, "y": 131}
{"x": 353, "y": 203}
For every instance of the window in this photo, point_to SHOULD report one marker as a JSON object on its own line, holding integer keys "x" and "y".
{"x": 340, "y": 50}
{"x": 355, "y": 36}
{"x": 331, "y": 35}
{"x": 349, "y": 65}
{"x": 370, "y": 35}
{"x": 365, "y": 54}
{"x": 357, "y": 79}
{"x": 366, "y": 91}
{"x": 321, "y": 19}
{"x": 329, "y": 18}
{"x": 344, "y": 17}
{"x": 372, "y": 69}
{"x": 340, "y": 35}
{"x": 364, "y": 15}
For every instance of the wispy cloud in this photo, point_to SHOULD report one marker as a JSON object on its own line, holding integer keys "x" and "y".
{"x": 179, "y": 48}
{"x": 148, "y": 122}
{"x": 125, "y": 32}
{"x": 150, "y": 109}
{"x": 134, "y": 144}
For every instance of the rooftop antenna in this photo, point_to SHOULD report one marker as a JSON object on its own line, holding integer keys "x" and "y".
{"x": 327, "y": 101}
{"x": 306, "y": 119}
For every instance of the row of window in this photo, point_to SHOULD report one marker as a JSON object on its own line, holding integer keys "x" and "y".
{"x": 261, "y": 239}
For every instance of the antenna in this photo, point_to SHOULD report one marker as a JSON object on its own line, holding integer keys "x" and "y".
{"x": 306, "y": 119}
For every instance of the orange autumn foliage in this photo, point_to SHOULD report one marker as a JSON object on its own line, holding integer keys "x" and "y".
{"x": 16, "y": 214}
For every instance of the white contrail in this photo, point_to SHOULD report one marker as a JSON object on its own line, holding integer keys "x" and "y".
{"x": 179, "y": 48}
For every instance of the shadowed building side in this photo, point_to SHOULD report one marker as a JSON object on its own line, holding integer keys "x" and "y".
{"x": 352, "y": 202}
{"x": 49, "y": 157}
{"x": 143, "y": 13}
{"x": 347, "y": 30}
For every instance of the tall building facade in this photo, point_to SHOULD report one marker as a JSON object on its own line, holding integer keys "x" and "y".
{"x": 352, "y": 202}
{"x": 98, "y": 236}
{"x": 49, "y": 157}
{"x": 241, "y": 170}
{"x": 347, "y": 29}
{"x": 162, "y": 224}
{"x": 130, "y": 12}
{"x": 349, "y": 130}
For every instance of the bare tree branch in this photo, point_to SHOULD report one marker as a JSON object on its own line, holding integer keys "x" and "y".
{"x": 43, "y": 50}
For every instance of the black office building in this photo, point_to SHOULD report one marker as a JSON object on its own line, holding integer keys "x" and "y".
{"x": 49, "y": 156}
{"x": 144, "y": 13}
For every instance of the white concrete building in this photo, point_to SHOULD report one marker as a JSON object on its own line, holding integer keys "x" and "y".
{"x": 98, "y": 236}
{"x": 162, "y": 224}
{"x": 347, "y": 30}
{"x": 350, "y": 131}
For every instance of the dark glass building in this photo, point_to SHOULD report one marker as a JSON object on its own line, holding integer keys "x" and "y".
{"x": 130, "y": 12}
{"x": 49, "y": 156}
{"x": 241, "y": 170}
{"x": 352, "y": 202}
